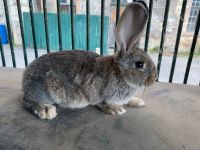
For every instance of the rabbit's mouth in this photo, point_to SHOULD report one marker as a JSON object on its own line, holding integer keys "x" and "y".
{"x": 150, "y": 80}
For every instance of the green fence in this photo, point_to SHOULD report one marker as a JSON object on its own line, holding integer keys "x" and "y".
{"x": 80, "y": 31}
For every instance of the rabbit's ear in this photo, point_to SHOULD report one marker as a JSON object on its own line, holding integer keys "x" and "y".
{"x": 130, "y": 25}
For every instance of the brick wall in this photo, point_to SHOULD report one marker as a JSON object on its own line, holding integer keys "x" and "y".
{"x": 172, "y": 26}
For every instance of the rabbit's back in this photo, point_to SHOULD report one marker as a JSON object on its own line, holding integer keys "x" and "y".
{"x": 69, "y": 61}
{"x": 51, "y": 77}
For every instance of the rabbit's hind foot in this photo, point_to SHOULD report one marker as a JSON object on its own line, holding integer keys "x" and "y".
{"x": 112, "y": 109}
{"x": 136, "y": 102}
{"x": 46, "y": 111}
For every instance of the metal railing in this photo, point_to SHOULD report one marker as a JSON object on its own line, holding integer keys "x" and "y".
{"x": 164, "y": 27}
{"x": 88, "y": 25}
{"x": 22, "y": 32}
{"x": 151, "y": 2}
{"x": 9, "y": 33}
{"x": 46, "y": 25}
{"x": 178, "y": 37}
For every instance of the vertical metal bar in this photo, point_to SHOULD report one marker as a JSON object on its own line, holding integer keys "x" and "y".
{"x": 163, "y": 35}
{"x": 46, "y": 25}
{"x": 59, "y": 26}
{"x": 22, "y": 31}
{"x": 72, "y": 23}
{"x": 118, "y": 11}
{"x": 178, "y": 39}
{"x": 88, "y": 25}
{"x": 9, "y": 33}
{"x": 148, "y": 26}
{"x": 33, "y": 28}
{"x": 117, "y": 17}
{"x": 192, "y": 49}
{"x": 2, "y": 53}
{"x": 102, "y": 26}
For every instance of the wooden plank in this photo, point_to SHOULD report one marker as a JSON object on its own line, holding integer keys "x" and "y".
{"x": 80, "y": 32}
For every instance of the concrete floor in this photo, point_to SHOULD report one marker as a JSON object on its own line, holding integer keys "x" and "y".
{"x": 170, "y": 121}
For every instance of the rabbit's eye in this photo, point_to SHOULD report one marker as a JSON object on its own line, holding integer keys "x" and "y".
{"x": 139, "y": 64}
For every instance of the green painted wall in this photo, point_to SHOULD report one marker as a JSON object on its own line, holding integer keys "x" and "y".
{"x": 80, "y": 31}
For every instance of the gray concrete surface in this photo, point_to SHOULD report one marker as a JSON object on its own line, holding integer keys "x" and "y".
{"x": 170, "y": 121}
{"x": 194, "y": 76}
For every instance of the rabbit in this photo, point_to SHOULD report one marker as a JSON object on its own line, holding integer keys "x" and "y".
{"x": 76, "y": 79}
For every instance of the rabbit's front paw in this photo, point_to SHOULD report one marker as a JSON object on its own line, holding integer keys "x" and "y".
{"x": 111, "y": 109}
{"x": 136, "y": 102}
{"x": 51, "y": 112}
{"x": 46, "y": 112}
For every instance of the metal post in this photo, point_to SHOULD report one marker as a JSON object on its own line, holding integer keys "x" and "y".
{"x": 2, "y": 54}
{"x": 163, "y": 35}
{"x": 88, "y": 25}
{"x": 178, "y": 37}
{"x": 59, "y": 26}
{"x": 46, "y": 25}
{"x": 102, "y": 26}
{"x": 72, "y": 23}
{"x": 33, "y": 28}
{"x": 117, "y": 18}
{"x": 22, "y": 32}
{"x": 148, "y": 26}
{"x": 195, "y": 36}
{"x": 9, "y": 33}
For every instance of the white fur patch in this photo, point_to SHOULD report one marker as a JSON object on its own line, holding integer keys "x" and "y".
{"x": 136, "y": 101}
{"x": 41, "y": 114}
{"x": 51, "y": 112}
{"x": 120, "y": 101}
{"x": 79, "y": 104}
{"x": 48, "y": 112}
{"x": 118, "y": 112}
{"x": 121, "y": 111}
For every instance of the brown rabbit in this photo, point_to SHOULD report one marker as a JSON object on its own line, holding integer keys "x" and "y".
{"x": 76, "y": 79}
